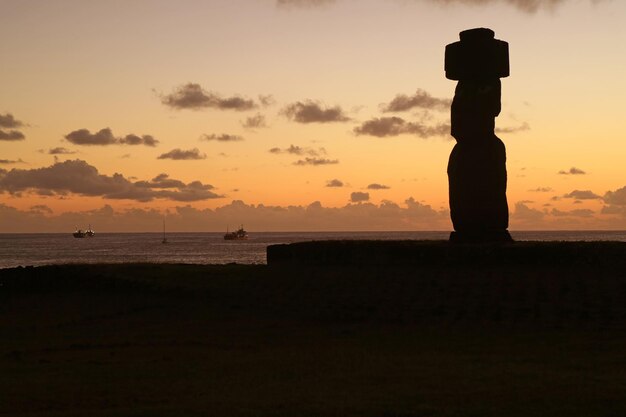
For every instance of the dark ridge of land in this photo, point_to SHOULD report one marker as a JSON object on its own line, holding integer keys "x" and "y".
{"x": 429, "y": 339}
{"x": 417, "y": 253}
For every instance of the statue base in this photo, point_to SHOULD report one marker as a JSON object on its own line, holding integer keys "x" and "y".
{"x": 486, "y": 236}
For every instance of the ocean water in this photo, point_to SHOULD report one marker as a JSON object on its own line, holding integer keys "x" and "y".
{"x": 207, "y": 248}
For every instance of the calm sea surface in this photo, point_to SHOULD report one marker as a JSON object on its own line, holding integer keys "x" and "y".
{"x": 205, "y": 248}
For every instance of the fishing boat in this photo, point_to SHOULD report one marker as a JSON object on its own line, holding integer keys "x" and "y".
{"x": 239, "y": 234}
{"x": 90, "y": 232}
{"x": 79, "y": 233}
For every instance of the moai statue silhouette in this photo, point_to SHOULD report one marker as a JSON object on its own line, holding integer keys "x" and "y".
{"x": 477, "y": 165}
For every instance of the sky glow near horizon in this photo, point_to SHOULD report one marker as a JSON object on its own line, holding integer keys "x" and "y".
{"x": 298, "y": 115}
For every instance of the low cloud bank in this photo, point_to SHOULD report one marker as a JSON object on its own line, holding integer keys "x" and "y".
{"x": 313, "y": 217}
{"x": 78, "y": 177}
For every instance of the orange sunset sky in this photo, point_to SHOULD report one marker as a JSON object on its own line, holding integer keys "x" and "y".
{"x": 298, "y": 115}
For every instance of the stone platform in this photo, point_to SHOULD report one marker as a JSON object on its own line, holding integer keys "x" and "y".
{"x": 389, "y": 253}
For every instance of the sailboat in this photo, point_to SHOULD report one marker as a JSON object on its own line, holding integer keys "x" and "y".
{"x": 164, "y": 238}
{"x": 240, "y": 234}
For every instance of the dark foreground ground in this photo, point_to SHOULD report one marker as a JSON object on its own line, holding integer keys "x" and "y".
{"x": 390, "y": 341}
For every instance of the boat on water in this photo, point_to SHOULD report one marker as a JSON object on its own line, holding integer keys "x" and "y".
{"x": 239, "y": 234}
{"x": 80, "y": 233}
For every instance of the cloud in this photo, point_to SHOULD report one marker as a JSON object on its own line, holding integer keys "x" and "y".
{"x": 316, "y": 161}
{"x": 179, "y": 154}
{"x": 334, "y": 183}
{"x": 60, "y": 151}
{"x": 78, "y": 177}
{"x": 515, "y": 129}
{"x": 421, "y": 99}
{"x": 224, "y": 137}
{"x": 298, "y": 150}
{"x": 7, "y": 120}
{"x": 358, "y": 197}
{"x": 524, "y": 214}
{"x": 378, "y": 187}
{"x": 85, "y": 137}
{"x": 303, "y": 3}
{"x": 161, "y": 181}
{"x": 132, "y": 139}
{"x": 254, "y": 122}
{"x": 573, "y": 171}
{"x": 527, "y": 6}
{"x": 572, "y": 213}
{"x": 312, "y": 112}
{"x": 582, "y": 195}
{"x": 313, "y": 217}
{"x": 41, "y": 208}
{"x": 266, "y": 100}
{"x": 105, "y": 137}
{"x": 541, "y": 190}
{"x": 12, "y": 161}
{"x": 611, "y": 210}
{"x": 11, "y": 135}
{"x": 394, "y": 126}
{"x": 617, "y": 197}
{"x": 193, "y": 96}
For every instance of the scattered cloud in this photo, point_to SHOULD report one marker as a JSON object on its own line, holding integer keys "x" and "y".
{"x": 85, "y": 137}
{"x": 303, "y": 3}
{"x": 513, "y": 129}
{"x": 611, "y": 210}
{"x": 105, "y": 137}
{"x": 11, "y": 135}
{"x": 161, "y": 181}
{"x": 7, "y": 120}
{"x": 394, "y": 126}
{"x": 313, "y": 112}
{"x": 60, "y": 151}
{"x": 527, "y": 6}
{"x": 358, "y": 197}
{"x": 179, "y": 154}
{"x": 224, "y": 137}
{"x": 524, "y": 214}
{"x": 334, "y": 183}
{"x": 582, "y": 195}
{"x": 541, "y": 190}
{"x": 42, "y": 208}
{"x": 12, "y": 161}
{"x": 266, "y": 100}
{"x": 193, "y": 96}
{"x": 617, "y": 197}
{"x": 316, "y": 161}
{"x": 132, "y": 139}
{"x": 298, "y": 150}
{"x": 378, "y": 187}
{"x": 78, "y": 177}
{"x": 573, "y": 171}
{"x": 421, "y": 99}
{"x": 572, "y": 213}
{"x": 254, "y": 122}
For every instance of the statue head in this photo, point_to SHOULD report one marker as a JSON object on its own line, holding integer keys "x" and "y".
{"x": 478, "y": 55}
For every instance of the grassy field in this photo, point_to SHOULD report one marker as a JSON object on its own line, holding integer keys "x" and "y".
{"x": 190, "y": 340}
